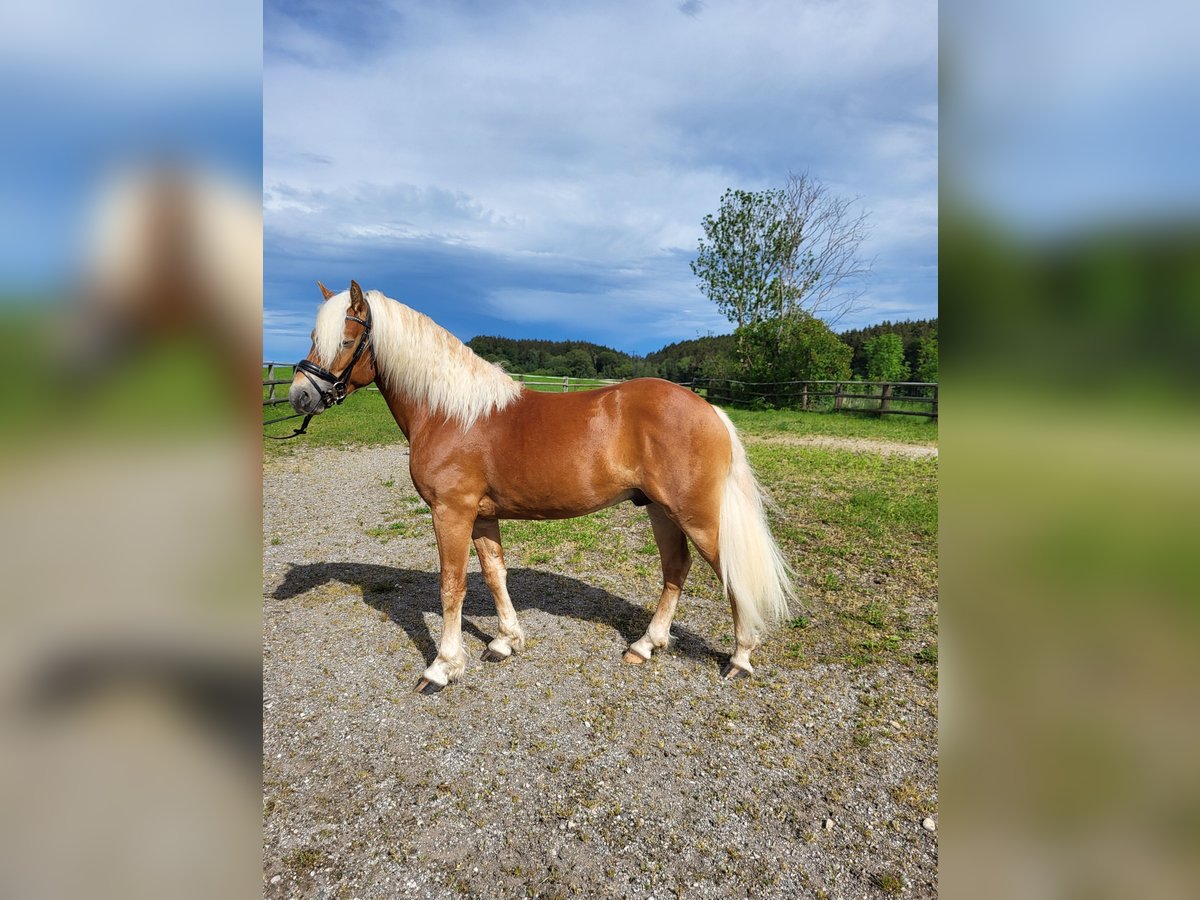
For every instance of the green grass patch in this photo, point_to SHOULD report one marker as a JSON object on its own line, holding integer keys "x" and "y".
{"x": 306, "y": 858}
{"x": 891, "y": 883}
{"x": 542, "y": 541}
{"x": 902, "y": 429}
{"x": 874, "y": 495}
{"x": 861, "y": 530}
{"x": 364, "y": 420}
{"x": 399, "y": 528}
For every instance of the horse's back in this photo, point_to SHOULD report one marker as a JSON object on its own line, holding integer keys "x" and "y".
{"x": 641, "y": 406}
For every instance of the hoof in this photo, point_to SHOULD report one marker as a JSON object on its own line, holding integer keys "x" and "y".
{"x": 425, "y": 686}
{"x": 633, "y": 657}
{"x": 490, "y": 655}
{"x": 731, "y": 672}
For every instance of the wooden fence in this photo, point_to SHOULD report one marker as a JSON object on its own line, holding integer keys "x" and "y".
{"x": 270, "y": 382}
{"x": 563, "y": 383}
{"x": 900, "y": 398}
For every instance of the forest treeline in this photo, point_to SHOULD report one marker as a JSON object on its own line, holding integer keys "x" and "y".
{"x": 684, "y": 361}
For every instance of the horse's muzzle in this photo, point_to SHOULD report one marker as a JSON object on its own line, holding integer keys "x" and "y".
{"x": 305, "y": 399}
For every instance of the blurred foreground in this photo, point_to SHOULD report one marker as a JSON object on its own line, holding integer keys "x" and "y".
{"x": 130, "y": 717}
{"x": 130, "y": 648}
{"x": 1070, "y": 492}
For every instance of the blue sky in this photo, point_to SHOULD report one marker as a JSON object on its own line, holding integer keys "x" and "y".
{"x": 90, "y": 87}
{"x": 541, "y": 169}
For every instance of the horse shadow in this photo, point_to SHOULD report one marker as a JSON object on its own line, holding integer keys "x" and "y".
{"x": 406, "y": 595}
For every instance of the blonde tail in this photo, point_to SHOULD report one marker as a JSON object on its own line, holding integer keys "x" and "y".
{"x": 752, "y": 568}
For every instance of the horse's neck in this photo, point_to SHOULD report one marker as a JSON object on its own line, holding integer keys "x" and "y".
{"x": 411, "y": 415}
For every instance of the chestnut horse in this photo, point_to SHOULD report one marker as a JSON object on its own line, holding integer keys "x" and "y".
{"x": 483, "y": 448}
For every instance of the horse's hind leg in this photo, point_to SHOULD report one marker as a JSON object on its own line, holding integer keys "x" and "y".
{"x": 491, "y": 559}
{"x": 745, "y": 640}
{"x": 676, "y": 561}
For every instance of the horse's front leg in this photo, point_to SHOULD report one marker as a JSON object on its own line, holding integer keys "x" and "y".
{"x": 453, "y": 530}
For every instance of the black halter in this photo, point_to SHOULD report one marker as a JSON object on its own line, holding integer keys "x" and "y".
{"x": 336, "y": 392}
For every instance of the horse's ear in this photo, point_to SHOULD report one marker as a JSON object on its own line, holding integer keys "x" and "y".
{"x": 357, "y": 302}
{"x": 325, "y": 292}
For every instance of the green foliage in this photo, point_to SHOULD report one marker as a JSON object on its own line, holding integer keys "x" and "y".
{"x": 770, "y": 254}
{"x": 579, "y": 363}
{"x": 689, "y": 360}
{"x": 740, "y": 259}
{"x": 885, "y": 358}
{"x": 579, "y": 359}
{"x": 911, "y": 332}
{"x": 798, "y": 347}
{"x": 927, "y": 360}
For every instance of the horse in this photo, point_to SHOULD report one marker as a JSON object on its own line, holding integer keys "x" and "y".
{"x": 482, "y": 448}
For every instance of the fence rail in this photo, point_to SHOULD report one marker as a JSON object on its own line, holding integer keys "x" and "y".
{"x": 270, "y": 382}
{"x": 563, "y": 383}
{"x": 899, "y": 398}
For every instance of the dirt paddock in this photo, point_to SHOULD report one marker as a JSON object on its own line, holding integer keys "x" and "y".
{"x": 561, "y": 771}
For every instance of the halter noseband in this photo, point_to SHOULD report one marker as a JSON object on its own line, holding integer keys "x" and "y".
{"x": 336, "y": 392}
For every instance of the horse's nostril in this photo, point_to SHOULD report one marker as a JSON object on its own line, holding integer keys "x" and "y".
{"x": 299, "y": 398}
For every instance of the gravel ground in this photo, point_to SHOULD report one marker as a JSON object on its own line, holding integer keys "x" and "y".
{"x": 856, "y": 445}
{"x": 562, "y": 771}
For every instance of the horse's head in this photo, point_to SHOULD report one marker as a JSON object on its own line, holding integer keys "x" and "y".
{"x": 341, "y": 359}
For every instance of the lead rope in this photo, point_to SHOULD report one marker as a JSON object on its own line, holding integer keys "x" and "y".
{"x": 301, "y": 430}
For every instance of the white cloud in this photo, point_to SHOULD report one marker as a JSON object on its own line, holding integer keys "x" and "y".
{"x": 598, "y": 134}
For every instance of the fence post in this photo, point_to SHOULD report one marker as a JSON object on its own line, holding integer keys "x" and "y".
{"x": 271, "y": 377}
{"x": 885, "y": 396}
{"x": 837, "y": 395}
{"x": 521, "y": 379}
{"x": 804, "y": 396}
{"x": 934, "y": 408}
{"x": 566, "y": 383}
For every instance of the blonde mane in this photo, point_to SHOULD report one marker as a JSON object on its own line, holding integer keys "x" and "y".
{"x": 416, "y": 356}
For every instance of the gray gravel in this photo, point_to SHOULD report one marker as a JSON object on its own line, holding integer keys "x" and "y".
{"x": 562, "y": 771}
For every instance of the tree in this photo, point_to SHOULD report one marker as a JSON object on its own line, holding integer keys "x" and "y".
{"x": 798, "y": 347}
{"x": 578, "y": 363}
{"x": 769, "y": 254}
{"x": 911, "y": 332}
{"x": 927, "y": 359}
{"x": 739, "y": 259}
{"x": 885, "y": 358}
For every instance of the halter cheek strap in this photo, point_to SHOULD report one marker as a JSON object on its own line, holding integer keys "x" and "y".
{"x": 336, "y": 392}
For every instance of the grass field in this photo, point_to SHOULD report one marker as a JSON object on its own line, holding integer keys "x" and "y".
{"x": 904, "y": 429}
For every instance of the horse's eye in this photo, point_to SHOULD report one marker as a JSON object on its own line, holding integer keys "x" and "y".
{"x": 347, "y": 343}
